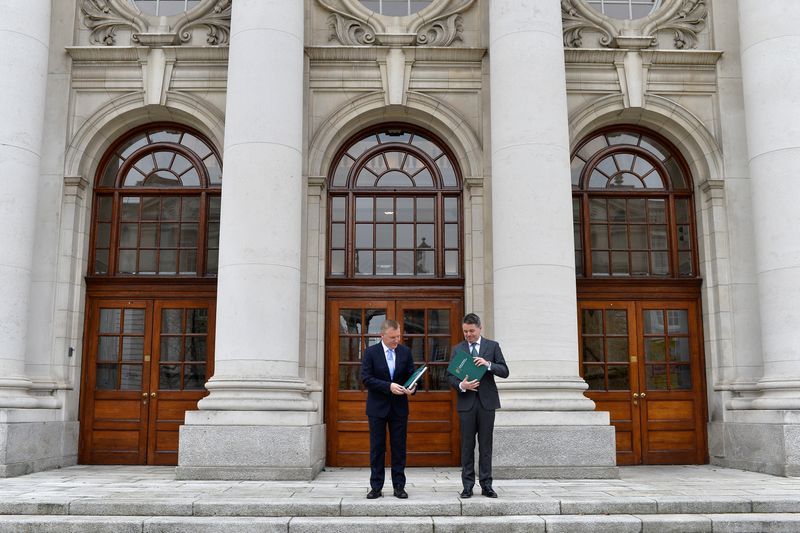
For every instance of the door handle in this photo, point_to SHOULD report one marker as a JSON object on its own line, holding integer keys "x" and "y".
{"x": 635, "y": 395}
{"x": 144, "y": 395}
{"x": 152, "y": 394}
{"x": 643, "y": 395}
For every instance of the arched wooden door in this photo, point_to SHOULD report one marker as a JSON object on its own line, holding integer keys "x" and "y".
{"x": 641, "y": 345}
{"x": 394, "y": 252}
{"x": 150, "y": 294}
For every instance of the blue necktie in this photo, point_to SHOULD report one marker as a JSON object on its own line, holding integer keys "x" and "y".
{"x": 474, "y": 351}
{"x": 390, "y": 362}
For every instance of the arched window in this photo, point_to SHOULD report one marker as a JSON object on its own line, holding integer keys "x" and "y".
{"x": 632, "y": 207}
{"x": 394, "y": 201}
{"x": 157, "y": 205}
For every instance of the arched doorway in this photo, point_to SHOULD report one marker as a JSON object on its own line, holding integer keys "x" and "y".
{"x": 394, "y": 251}
{"x": 640, "y": 324}
{"x": 151, "y": 290}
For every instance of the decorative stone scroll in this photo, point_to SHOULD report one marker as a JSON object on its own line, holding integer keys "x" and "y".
{"x": 686, "y": 18}
{"x": 104, "y": 17}
{"x": 439, "y": 24}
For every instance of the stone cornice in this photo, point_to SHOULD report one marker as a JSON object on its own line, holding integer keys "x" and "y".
{"x": 373, "y": 53}
{"x": 653, "y": 57}
{"x": 135, "y": 53}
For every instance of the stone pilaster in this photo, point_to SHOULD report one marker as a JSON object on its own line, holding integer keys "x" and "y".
{"x": 259, "y": 422}
{"x": 544, "y": 410}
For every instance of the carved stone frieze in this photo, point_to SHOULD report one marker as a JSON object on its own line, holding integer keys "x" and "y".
{"x": 439, "y": 24}
{"x": 105, "y": 17}
{"x": 685, "y": 18}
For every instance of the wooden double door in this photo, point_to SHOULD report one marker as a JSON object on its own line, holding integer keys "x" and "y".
{"x": 430, "y": 328}
{"x": 643, "y": 363}
{"x": 147, "y": 362}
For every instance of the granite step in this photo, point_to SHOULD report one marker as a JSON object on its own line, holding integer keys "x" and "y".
{"x": 565, "y": 523}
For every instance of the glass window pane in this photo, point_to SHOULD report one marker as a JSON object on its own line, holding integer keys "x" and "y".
{"x": 168, "y": 262}
{"x": 337, "y": 209}
{"x": 190, "y": 209}
{"x": 213, "y": 235}
{"x": 438, "y": 349}
{"x": 364, "y": 209}
{"x": 212, "y": 261}
{"x": 349, "y": 377}
{"x": 597, "y": 210}
{"x": 377, "y": 165}
{"x": 197, "y": 320}
{"x": 677, "y": 321}
{"x": 592, "y": 322}
{"x": 622, "y": 137}
{"x": 364, "y": 235}
{"x": 616, "y": 322}
{"x": 194, "y": 144}
{"x": 363, "y": 264}
{"x": 384, "y": 263}
{"x": 214, "y": 170}
{"x": 170, "y": 208}
{"x": 106, "y": 378}
{"x": 384, "y": 209}
{"x": 680, "y": 377}
{"x": 170, "y": 348}
{"x": 654, "y": 181}
{"x": 451, "y": 263}
{"x": 447, "y": 171}
{"x": 394, "y": 178}
{"x": 685, "y": 264}
{"x": 577, "y": 165}
{"x": 374, "y": 319}
{"x": 639, "y": 264}
{"x": 151, "y": 208}
{"x": 437, "y": 378}
{"x": 149, "y": 235}
{"x": 656, "y": 377}
{"x": 350, "y": 349}
{"x": 110, "y": 320}
{"x": 619, "y": 263}
{"x": 110, "y": 173}
{"x": 171, "y": 320}
{"x": 451, "y": 235}
{"x": 423, "y": 179}
{"x": 425, "y": 238}
{"x": 600, "y": 263}
{"x": 194, "y": 377}
{"x": 214, "y": 204}
{"x": 413, "y": 322}
{"x": 127, "y": 262}
{"x": 598, "y": 236}
{"x": 188, "y": 262}
{"x": 424, "y": 263}
{"x": 653, "y": 322}
{"x": 654, "y": 350}
{"x": 108, "y": 349}
{"x": 592, "y": 147}
{"x": 189, "y": 235}
{"x": 169, "y": 377}
{"x": 103, "y": 235}
{"x": 337, "y": 235}
{"x": 617, "y": 349}
{"x": 616, "y": 210}
{"x": 679, "y": 349}
{"x": 131, "y": 377}
{"x": 342, "y": 171}
{"x": 169, "y": 235}
{"x": 660, "y": 263}
{"x": 658, "y": 237}
{"x": 134, "y": 321}
{"x": 619, "y": 237}
{"x": 684, "y": 238}
{"x": 656, "y": 211}
{"x": 405, "y": 210}
{"x": 383, "y": 236}
{"x": 675, "y": 174}
{"x": 337, "y": 262}
{"x": 132, "y": 348}
{"x": 405, "y": 235}
{"x": 638, "y": 237}
{"x": 593, "y": 349}
{"x": 195, "y": 349}
{"x": 147, "y": 262}
{"x": 451, "y": 209}
{"x": 619, "y": 377}
{"x": 594, "y": 376}
{"x": 424, "y": 210}
{"x": 128, "y": 235}
{"x": 405, "y": 263}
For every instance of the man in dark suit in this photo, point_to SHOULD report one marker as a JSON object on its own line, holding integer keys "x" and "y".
{"x": 477, "y": 402}
{"x": 385, "y": 368}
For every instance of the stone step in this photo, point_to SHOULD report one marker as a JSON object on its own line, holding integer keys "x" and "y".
{"x": 617, "y": 523}
{"x": 388, "y": 506}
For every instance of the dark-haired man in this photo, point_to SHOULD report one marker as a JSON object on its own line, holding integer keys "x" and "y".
{"x": 477, "y": 402}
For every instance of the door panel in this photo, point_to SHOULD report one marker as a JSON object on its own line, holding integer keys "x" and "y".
{"x": 129, "y": 414}
{"x": 657, "y": 408}
{"x": 429, "y": 328}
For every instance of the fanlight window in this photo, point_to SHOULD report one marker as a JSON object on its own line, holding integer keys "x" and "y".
{"x": 394, "y": 204}
{"x": 632, "y": 208}
{"x": 164, "y": 8}
{"x": 625, "y": 9}
{"x": 396, "y": 8}
{"x": 157, "y": 206}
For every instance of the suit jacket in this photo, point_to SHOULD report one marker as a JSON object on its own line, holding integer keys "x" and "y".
{"x": 487, "y": 391}
{"x": 375, "y": 375}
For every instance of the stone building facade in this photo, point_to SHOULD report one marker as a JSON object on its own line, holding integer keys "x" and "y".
{"x": 608, "y": 183}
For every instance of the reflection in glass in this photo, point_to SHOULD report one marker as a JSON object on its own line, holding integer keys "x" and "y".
{"x": 437, "y": 377}
{"x": 196, "y": 320}
{"x": 679, "y": 349}
{"x": 106, "y": 377}
{"x": 169, "y": 377}
{"x": 653, "y": 321}
{"x": 405, "y": 263}
{"x": 619, "y": 377}
{"x": 171, "y": 320}
{"x": 131, "y": 377}
{"x": 349, "y": 349}
{"x": 384, "y": 263}
{"x": 438, "y": 349}
{"x": 594, "y": 376}
{"x": 350, "y": 321}
{"x": 616, "y": 322}
{"x": 132, "y": 348}
{"x": 417, "y": 347}
{"x": 656, "y": 377}
{"x": 349, "y": 377}
{"x": 194, "y": 377}
{"x": 414, "y": 321}
{"x": 677, "y": 321}
{"x": 170, "y": 349}
{"x": 592, "y": 322}
{"x": 438, "y": 321}
{"x": 593, "y": 349}
{"x": 195, "y": 349}
{"x": 617, "y": 350}
{"x": 109, "y": 320}
{"x": 108, "y": 349}
{"x": 375, "y": 318}
{"x": 680, "y": 377}
{"x": 364, "y": 262}
{"x": 654, "y": 350}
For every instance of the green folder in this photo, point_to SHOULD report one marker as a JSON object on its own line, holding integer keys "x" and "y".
{"x": 415, "y": 377}
{"x": 462, "y": 365}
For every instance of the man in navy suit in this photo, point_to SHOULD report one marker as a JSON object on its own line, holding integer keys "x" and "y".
{"x": 477, "y": 402}
{"x": 385, "y": 368}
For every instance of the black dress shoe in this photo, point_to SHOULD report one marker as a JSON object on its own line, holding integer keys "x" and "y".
{"x": 466, "y": 493}
{"x": 372, "y": 494}
{"x": 400, "y": 492}
{"x": 489, "y": 492}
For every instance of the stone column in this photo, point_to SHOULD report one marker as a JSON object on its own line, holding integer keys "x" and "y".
{"x": 544, "y": 410}
{"x": 24, "y": 40}
{"x": 258, "y": 422}
{"x": 770, "y": 47}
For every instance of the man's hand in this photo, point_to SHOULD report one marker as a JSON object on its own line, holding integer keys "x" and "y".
{"x": 398, "y": 389}
{"x": 411, "y": 390}
{"x": 469, "y": 385}
{"x": 480, "y": 361}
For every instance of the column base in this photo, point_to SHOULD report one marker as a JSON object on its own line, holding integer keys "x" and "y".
{"x": 247, "y": 445}
{"x": 766, "y": 441}
{"x": 32, "y": 440}
{"x": 555, "y": 452}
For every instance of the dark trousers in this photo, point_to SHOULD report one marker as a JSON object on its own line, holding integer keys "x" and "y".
{"x": 377, "y": 449}
{"x": 477, "y": 421}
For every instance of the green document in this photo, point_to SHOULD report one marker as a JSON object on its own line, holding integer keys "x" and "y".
{"x": 461, "y": 366}
{"x": 415, "y": 376}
